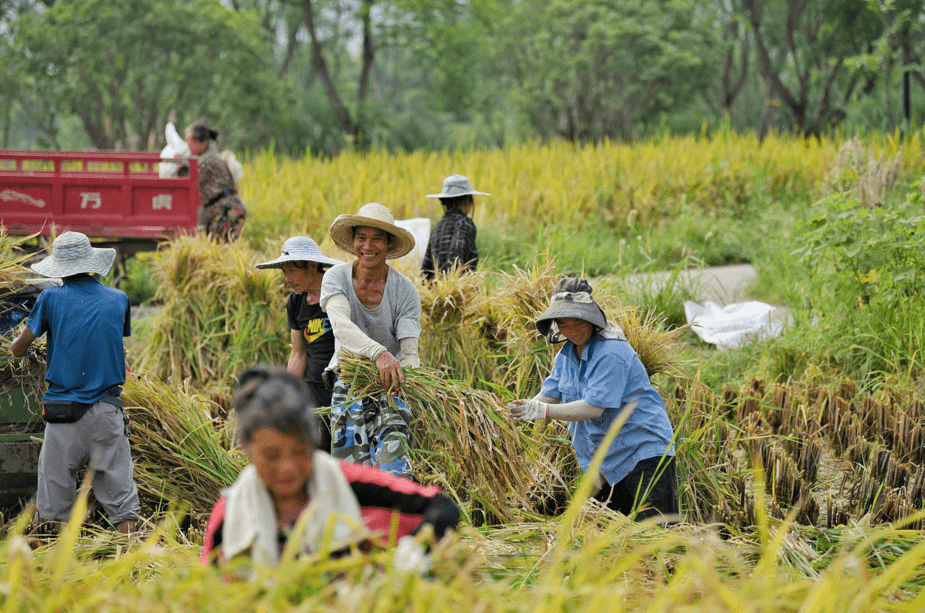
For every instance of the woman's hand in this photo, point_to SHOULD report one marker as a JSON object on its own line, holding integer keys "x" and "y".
{"x": 390, "y": 372}
{"x": 528, "y": 410}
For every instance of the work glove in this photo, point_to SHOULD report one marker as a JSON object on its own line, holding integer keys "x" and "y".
{"x": 528, "y": 410}
{"x": 410, "y": 556}
{"x": 329, "y": 377}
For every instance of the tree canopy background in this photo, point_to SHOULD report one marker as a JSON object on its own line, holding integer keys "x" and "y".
{"x": 322, "y": 76}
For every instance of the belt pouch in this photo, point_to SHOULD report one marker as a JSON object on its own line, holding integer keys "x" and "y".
{"x": 63, "y": 412}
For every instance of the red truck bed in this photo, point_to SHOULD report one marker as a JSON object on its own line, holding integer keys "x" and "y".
{"x": 112, "y": 194}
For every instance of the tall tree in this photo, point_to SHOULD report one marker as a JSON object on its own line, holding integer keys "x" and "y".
{"x": 904, "y": 23}
{"x": 802, "y": 47}
{"x": 124, "y": 67}
{"x": 735, "y": 45}
{"x": 590, "y": 69}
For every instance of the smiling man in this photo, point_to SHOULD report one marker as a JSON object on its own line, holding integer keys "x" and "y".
{"x": 376, "y": 313}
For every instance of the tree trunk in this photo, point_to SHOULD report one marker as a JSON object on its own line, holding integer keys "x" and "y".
{"x": 291, "y": 44}
{"x": 369, "y": 54}
{"x": 344, "y": 120}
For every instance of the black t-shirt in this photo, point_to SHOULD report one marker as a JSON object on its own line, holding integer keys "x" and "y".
{"x": 318, "y": 334}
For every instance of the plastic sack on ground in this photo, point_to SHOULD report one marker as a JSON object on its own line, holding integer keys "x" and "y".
{"x": 734, "y": 324}
{"x": 176, "y": 148}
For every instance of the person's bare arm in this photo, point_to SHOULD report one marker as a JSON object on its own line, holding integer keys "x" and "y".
{"x": 21, "y": 344}
{"x": 298, "y": 356}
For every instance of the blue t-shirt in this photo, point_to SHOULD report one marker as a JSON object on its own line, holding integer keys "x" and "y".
{"x": 85, "y": 322}
{"x": 609, "y": 375}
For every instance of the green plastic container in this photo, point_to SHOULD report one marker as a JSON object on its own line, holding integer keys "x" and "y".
{"x": 20, "y": 443}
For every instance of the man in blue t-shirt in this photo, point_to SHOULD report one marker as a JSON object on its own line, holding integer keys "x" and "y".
{"x": 85, "y": 322}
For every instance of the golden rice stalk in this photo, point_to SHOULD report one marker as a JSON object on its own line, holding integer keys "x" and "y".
{"x": 480, "y": 328}
{"x": 465, "y": 440}
{"x": 656, "y": 346}
{"x": 27, "y": 373}
{"x": 453, "y": 326}
{"x": 220, "y": 314}
{"x": 181, "y": 452}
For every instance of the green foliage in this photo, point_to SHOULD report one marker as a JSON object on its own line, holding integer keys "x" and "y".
{"x": 866, "y": 273}
{"x": 877, "y": 253}
{"x": 591, "y": 69}
{"x": 125, "y": 67}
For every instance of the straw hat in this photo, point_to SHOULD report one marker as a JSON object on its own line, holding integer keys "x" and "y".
{"x": 72, "y": 254}
{"x": 300, "y": 249}
{"x": 570, "y": 298}
{"x": 455, "y": 186}
{"x": 373, "y": 215}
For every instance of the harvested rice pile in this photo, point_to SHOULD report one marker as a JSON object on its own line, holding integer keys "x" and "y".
{"x": 28, "y": 373}
{"x": 479, "y": 328}
{"x": 183, "y": 452}
{"x": 466, "y": 443}
{"x": 220, "y": 314}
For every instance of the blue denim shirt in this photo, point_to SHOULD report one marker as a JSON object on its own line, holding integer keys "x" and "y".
{"x": 609, "y": 375}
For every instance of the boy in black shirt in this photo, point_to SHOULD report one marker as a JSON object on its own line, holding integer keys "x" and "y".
{"x": 311, "y": 333}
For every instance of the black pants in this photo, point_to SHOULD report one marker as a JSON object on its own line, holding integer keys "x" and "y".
{"x": 321, "y": 397}
{"x": 654, "y": 485}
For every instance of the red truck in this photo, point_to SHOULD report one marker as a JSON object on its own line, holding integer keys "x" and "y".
{"x": 116, "y": 195}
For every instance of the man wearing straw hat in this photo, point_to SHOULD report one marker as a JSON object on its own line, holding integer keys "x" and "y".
{"x": 310, "y": 331}
{"x": 452, "y": 243}
{"x": 376, "y": 313}
{"x": 595, "y": 376}
{"x": 85, "y": 322}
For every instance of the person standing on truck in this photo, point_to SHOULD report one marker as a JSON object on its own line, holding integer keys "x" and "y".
{"x": 223, "y": 212}
{"x": 452, "y": 243}
{"x": 85, "y": 322}
{"x": 311, "y": 334}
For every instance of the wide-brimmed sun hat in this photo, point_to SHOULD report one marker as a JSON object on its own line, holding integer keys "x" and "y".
{"x": 455, "y": 186}
{"x": 300, "y": 249}
{"x": 373, "y": 215}
{"x": 71, "y": 254}
{"x": 570, "y": 298}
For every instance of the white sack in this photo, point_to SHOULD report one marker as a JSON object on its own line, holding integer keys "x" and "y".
{"x": 420, "y": 229}
{"x": 734, "y": 324}
{"x": 236, "y": 168}
{"x": 176, "y": 148}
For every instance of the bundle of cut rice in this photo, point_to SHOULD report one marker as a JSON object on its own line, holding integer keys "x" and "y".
{"x": 465, "y": 441}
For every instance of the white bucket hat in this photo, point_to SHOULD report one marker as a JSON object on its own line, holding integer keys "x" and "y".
{"x": 570, "y": 298}
{"x": 72, "y": 254}
{"x": 373, "y": 215}
{"x": 455, "y": 186}
{"x": 300, "y": 249}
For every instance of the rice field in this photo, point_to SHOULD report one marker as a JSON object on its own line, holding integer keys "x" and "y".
{"x": 797, "y": 495}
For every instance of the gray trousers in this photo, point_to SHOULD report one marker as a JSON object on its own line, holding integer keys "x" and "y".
{"x": 97, "y": 438}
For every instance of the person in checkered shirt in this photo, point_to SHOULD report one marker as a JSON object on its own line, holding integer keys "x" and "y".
{"x": 452, "y": 242}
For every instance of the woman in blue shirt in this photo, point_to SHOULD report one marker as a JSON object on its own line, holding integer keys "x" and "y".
{"x": 594, "y": 377}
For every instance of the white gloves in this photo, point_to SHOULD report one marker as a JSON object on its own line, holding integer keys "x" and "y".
{"x": 410, "y": 556}
{"x": 528, "y": 410}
